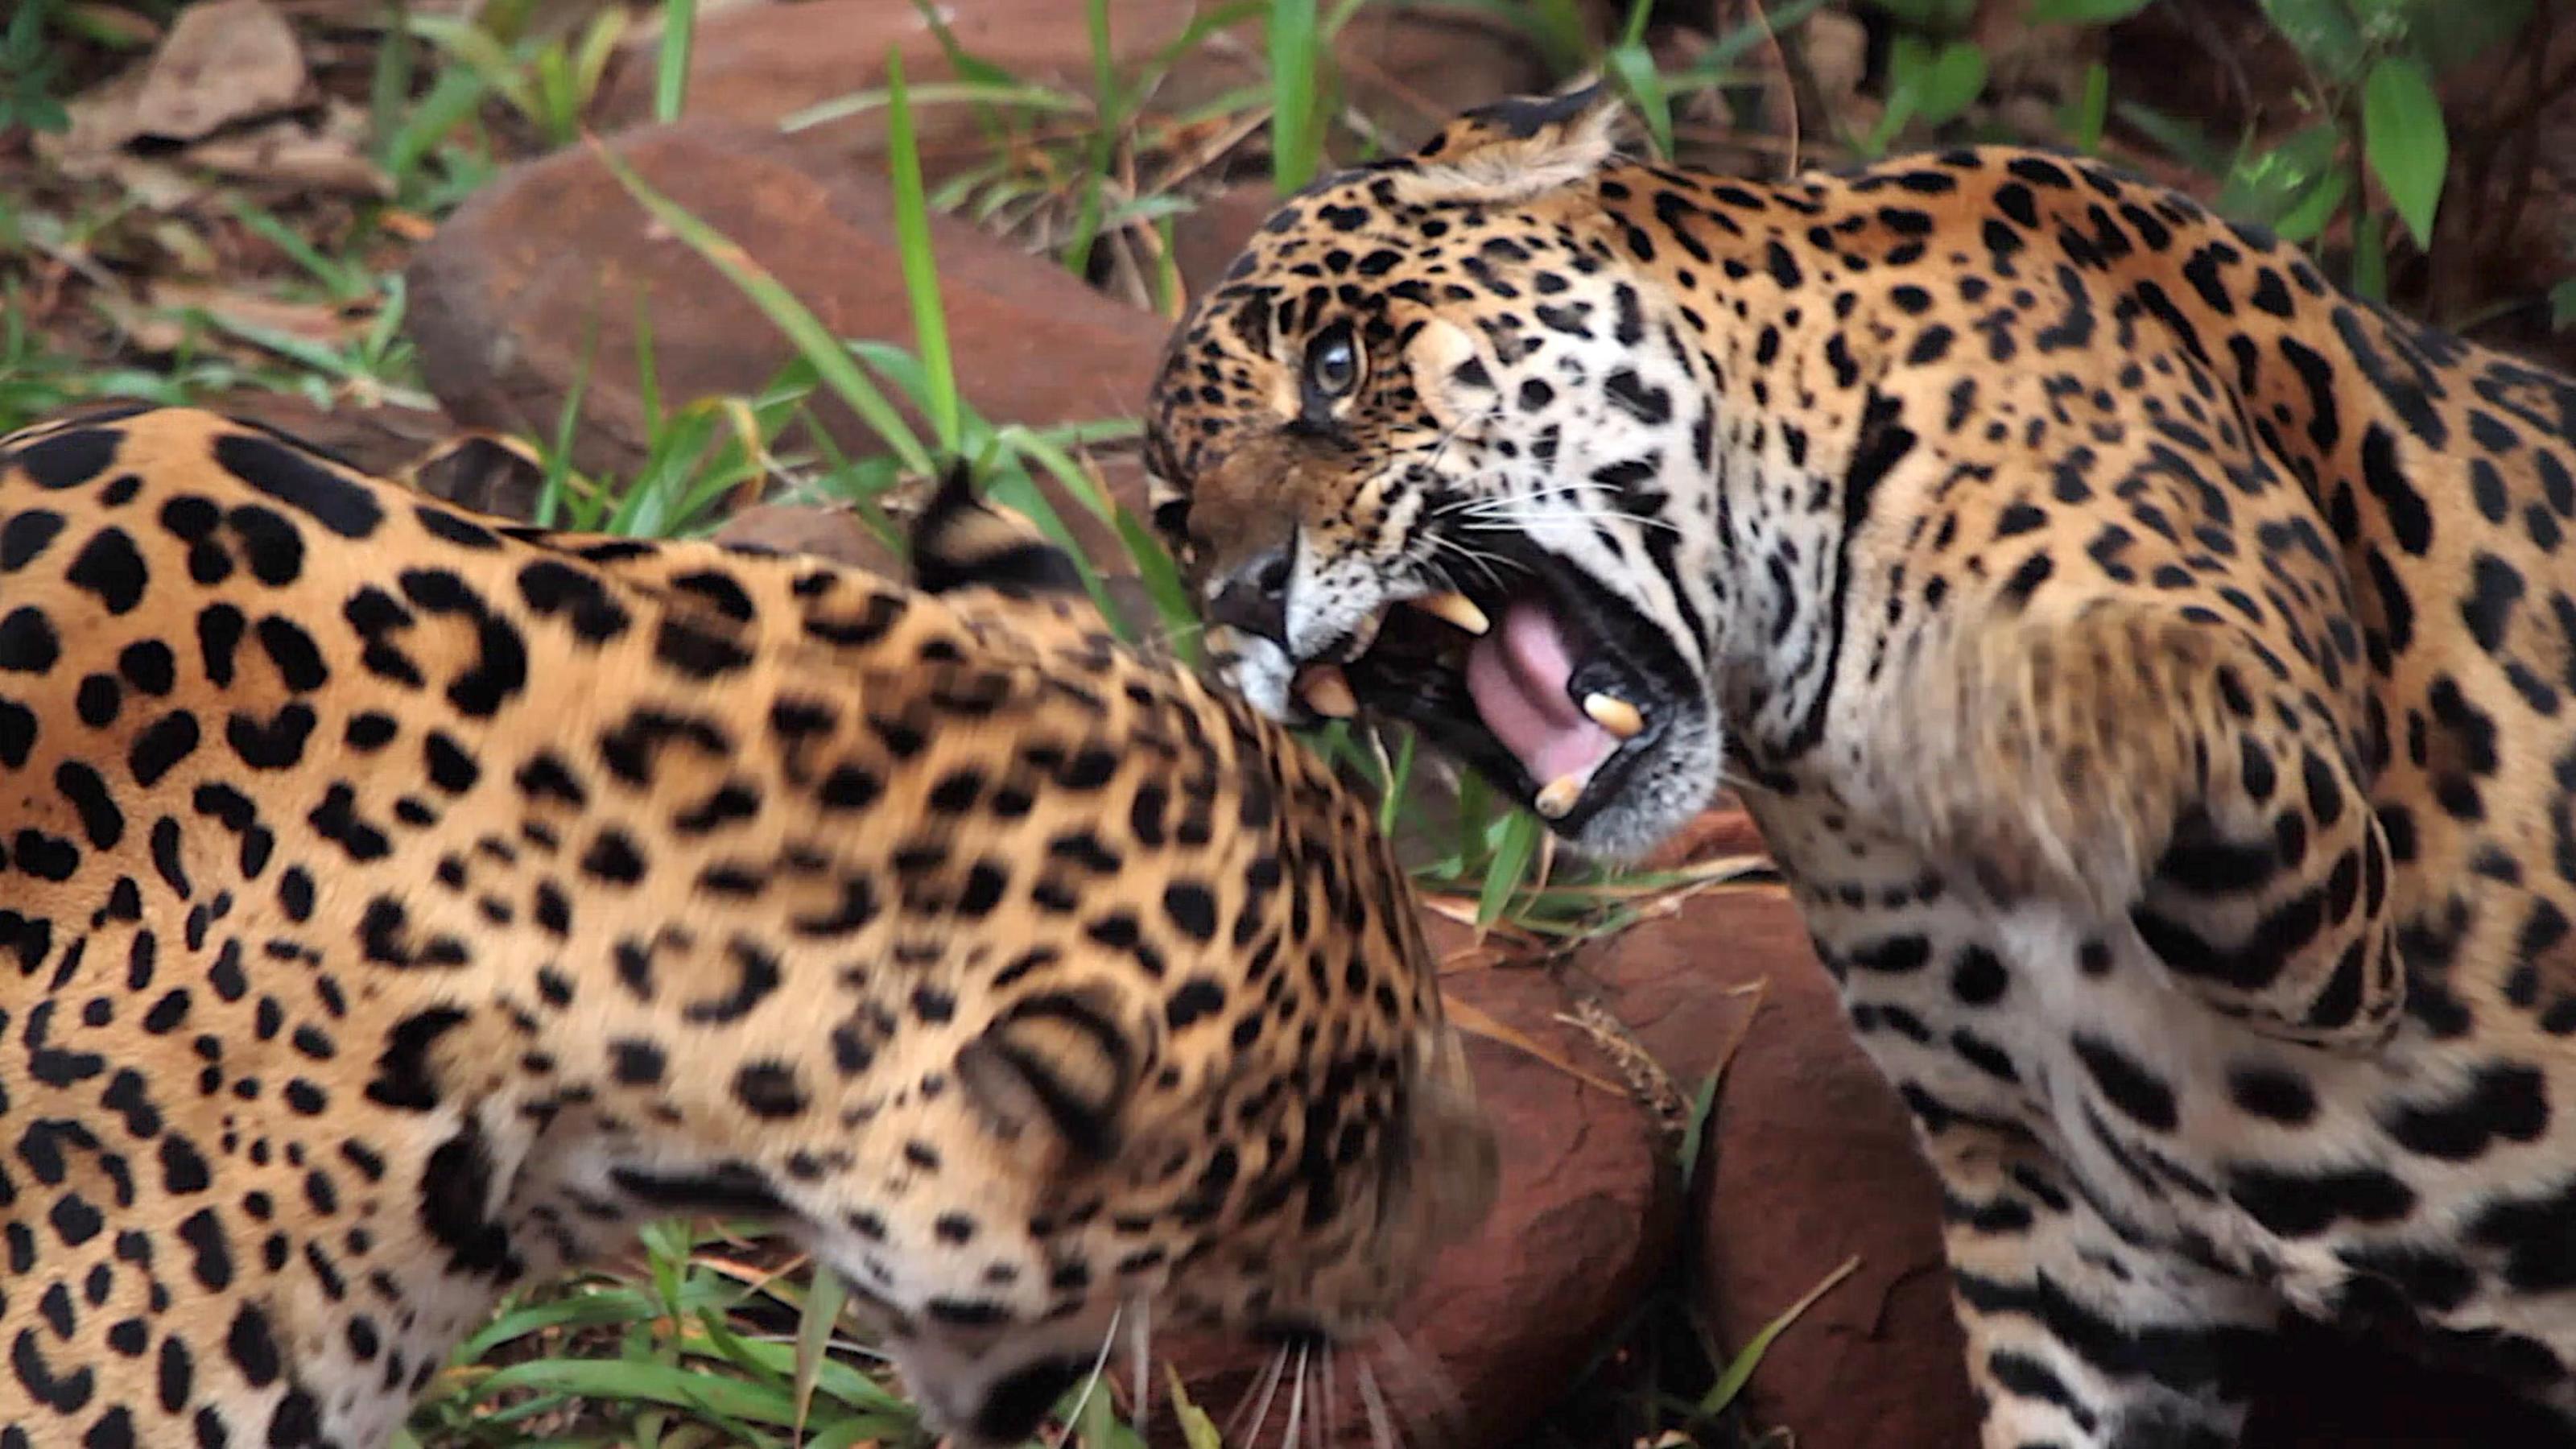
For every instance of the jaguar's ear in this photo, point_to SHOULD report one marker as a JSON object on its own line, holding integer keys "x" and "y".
{"x": 960, "y": 542}
{"x": 1517, "y": 149}
{"x": 1060, "y": 1061}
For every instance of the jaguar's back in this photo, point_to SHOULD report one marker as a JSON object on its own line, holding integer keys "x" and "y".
{"x": 396, "y": 905}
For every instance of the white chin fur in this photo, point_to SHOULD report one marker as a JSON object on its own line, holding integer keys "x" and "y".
{"x": 1660, "y": 796}
{"x": 1257, "y": 669}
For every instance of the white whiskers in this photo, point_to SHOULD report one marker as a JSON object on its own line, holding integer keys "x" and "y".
{"x": 1296, "y": 1404}
{"x": 1263, "y": 1388}
{"x": 1090, "y": 1385}
{"x": 1140, "y": 1347}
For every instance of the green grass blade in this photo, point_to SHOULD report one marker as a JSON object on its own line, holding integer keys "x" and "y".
{"x": 671, "y": 68}
{"x": 983, "y": 94}
{"x": 1296, "y": 119}
{"x": 2091, "y": 109}
{"x": 452, "y": 99}
{"x": 967, "y": 64}
{"x": 1521, "y": 833}
{"x": 814, "y": 342}
{"x": 342, "y": 281}
{"x": 1740, "y": 1371}
{"x": 1104, "y": 62}
{"x": 389, "y": 86}
{"x": 477, "y": 48}
{"x": 1635, "y": 67}
{"x": 1192, "y": 36}
{"x": 652, "y": 1383}
{"x": 1162, "y": 580}
{"x": 2370, "y": 257}
{"x": 920, "y": 264}
{"x": 1399, "y": 783}
{"x": 814, "y": 1336}
{"x": 1695, "y": 1131}
{"x": 550, "y": 492}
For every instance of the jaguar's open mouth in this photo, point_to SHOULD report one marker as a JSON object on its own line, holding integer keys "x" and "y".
{"x": 1550, "y": 687}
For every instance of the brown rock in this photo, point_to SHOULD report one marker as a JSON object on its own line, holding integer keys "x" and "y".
{"x": 1583, "y": 1224}
{"x": 761, "y": 63}
{"x": 1807, "y": 1160}
{"x": 554, "y": 257}
{"x": 379, "y": 440}
{"x": 1207, "y": 238}
{"x": 828, "y": 533}
{"x": 1411, "y": 69}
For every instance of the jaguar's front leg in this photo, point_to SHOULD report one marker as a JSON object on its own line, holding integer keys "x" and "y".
{"x": 2082, "y": 1335}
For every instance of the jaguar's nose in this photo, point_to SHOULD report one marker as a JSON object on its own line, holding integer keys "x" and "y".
{"x": 1253, "y": 596}
{"x": 1013, "y": 1408}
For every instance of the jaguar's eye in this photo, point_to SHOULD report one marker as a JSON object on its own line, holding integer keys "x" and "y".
{"x": 1333, "y": 363}
{"x": 1172, "y": 516}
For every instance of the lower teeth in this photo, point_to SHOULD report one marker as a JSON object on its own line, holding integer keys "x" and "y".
{"x": 1327, "y": 692}
{"x": 1560, "y": 795}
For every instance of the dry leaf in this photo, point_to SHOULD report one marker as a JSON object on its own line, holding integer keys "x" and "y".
{"x": 232, "y": 60}
{"x": 102, "y": 121}
{"x": 1476, "y": 1021}
{"x": 117, "y": 21}
{"x": 316, "y": 322}
{"x": 285, "y": 152}
{"x": 148, "y": 331}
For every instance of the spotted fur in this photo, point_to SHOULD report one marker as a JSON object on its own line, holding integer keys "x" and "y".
{"x": 397, "y": 905}
{"x": 2154, "y": 669}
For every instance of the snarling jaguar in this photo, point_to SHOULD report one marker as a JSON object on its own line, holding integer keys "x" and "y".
{"x": 2153, "y": 668}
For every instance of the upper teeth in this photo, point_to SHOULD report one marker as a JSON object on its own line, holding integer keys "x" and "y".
{"x": 1457, "y": 608}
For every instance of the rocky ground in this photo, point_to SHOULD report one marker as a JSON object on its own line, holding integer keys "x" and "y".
{"x": 1803, "y": 1184}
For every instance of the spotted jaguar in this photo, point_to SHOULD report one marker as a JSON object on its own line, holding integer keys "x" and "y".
{"x": 2153, "y": 668}
{"x": 399, "y": 905}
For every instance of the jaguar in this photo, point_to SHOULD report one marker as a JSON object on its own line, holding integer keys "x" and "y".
{"x": 400, "y": 905}
{"x": 2152, "y": 667}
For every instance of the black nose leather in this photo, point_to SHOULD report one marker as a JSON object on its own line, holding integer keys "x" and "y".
{"x": 1254, "y": 597}
{"x": 1013, "y": 1408}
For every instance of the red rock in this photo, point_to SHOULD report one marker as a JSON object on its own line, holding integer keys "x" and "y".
{"x": 1583, "y": 1225}
{"x": 1723, "y": 830}
{"x": 554, "y": 257}
{"x": 1807, "y": 1160}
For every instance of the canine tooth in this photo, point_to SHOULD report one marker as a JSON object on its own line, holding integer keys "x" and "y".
{"x": 1560, "y": 795}
{"x": 1363, "y": 635}
{"x": 1327, "y": 692}
{"x": 1457, "y": 608}
{"x": 1614, "y": 714}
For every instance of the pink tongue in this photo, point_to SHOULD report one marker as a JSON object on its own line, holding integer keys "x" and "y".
{"x": 1517, "y": 675}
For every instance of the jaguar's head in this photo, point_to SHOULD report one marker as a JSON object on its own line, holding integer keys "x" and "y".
{"x": 1414, "y": 456}
{"x": 1182, "y": 1063}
